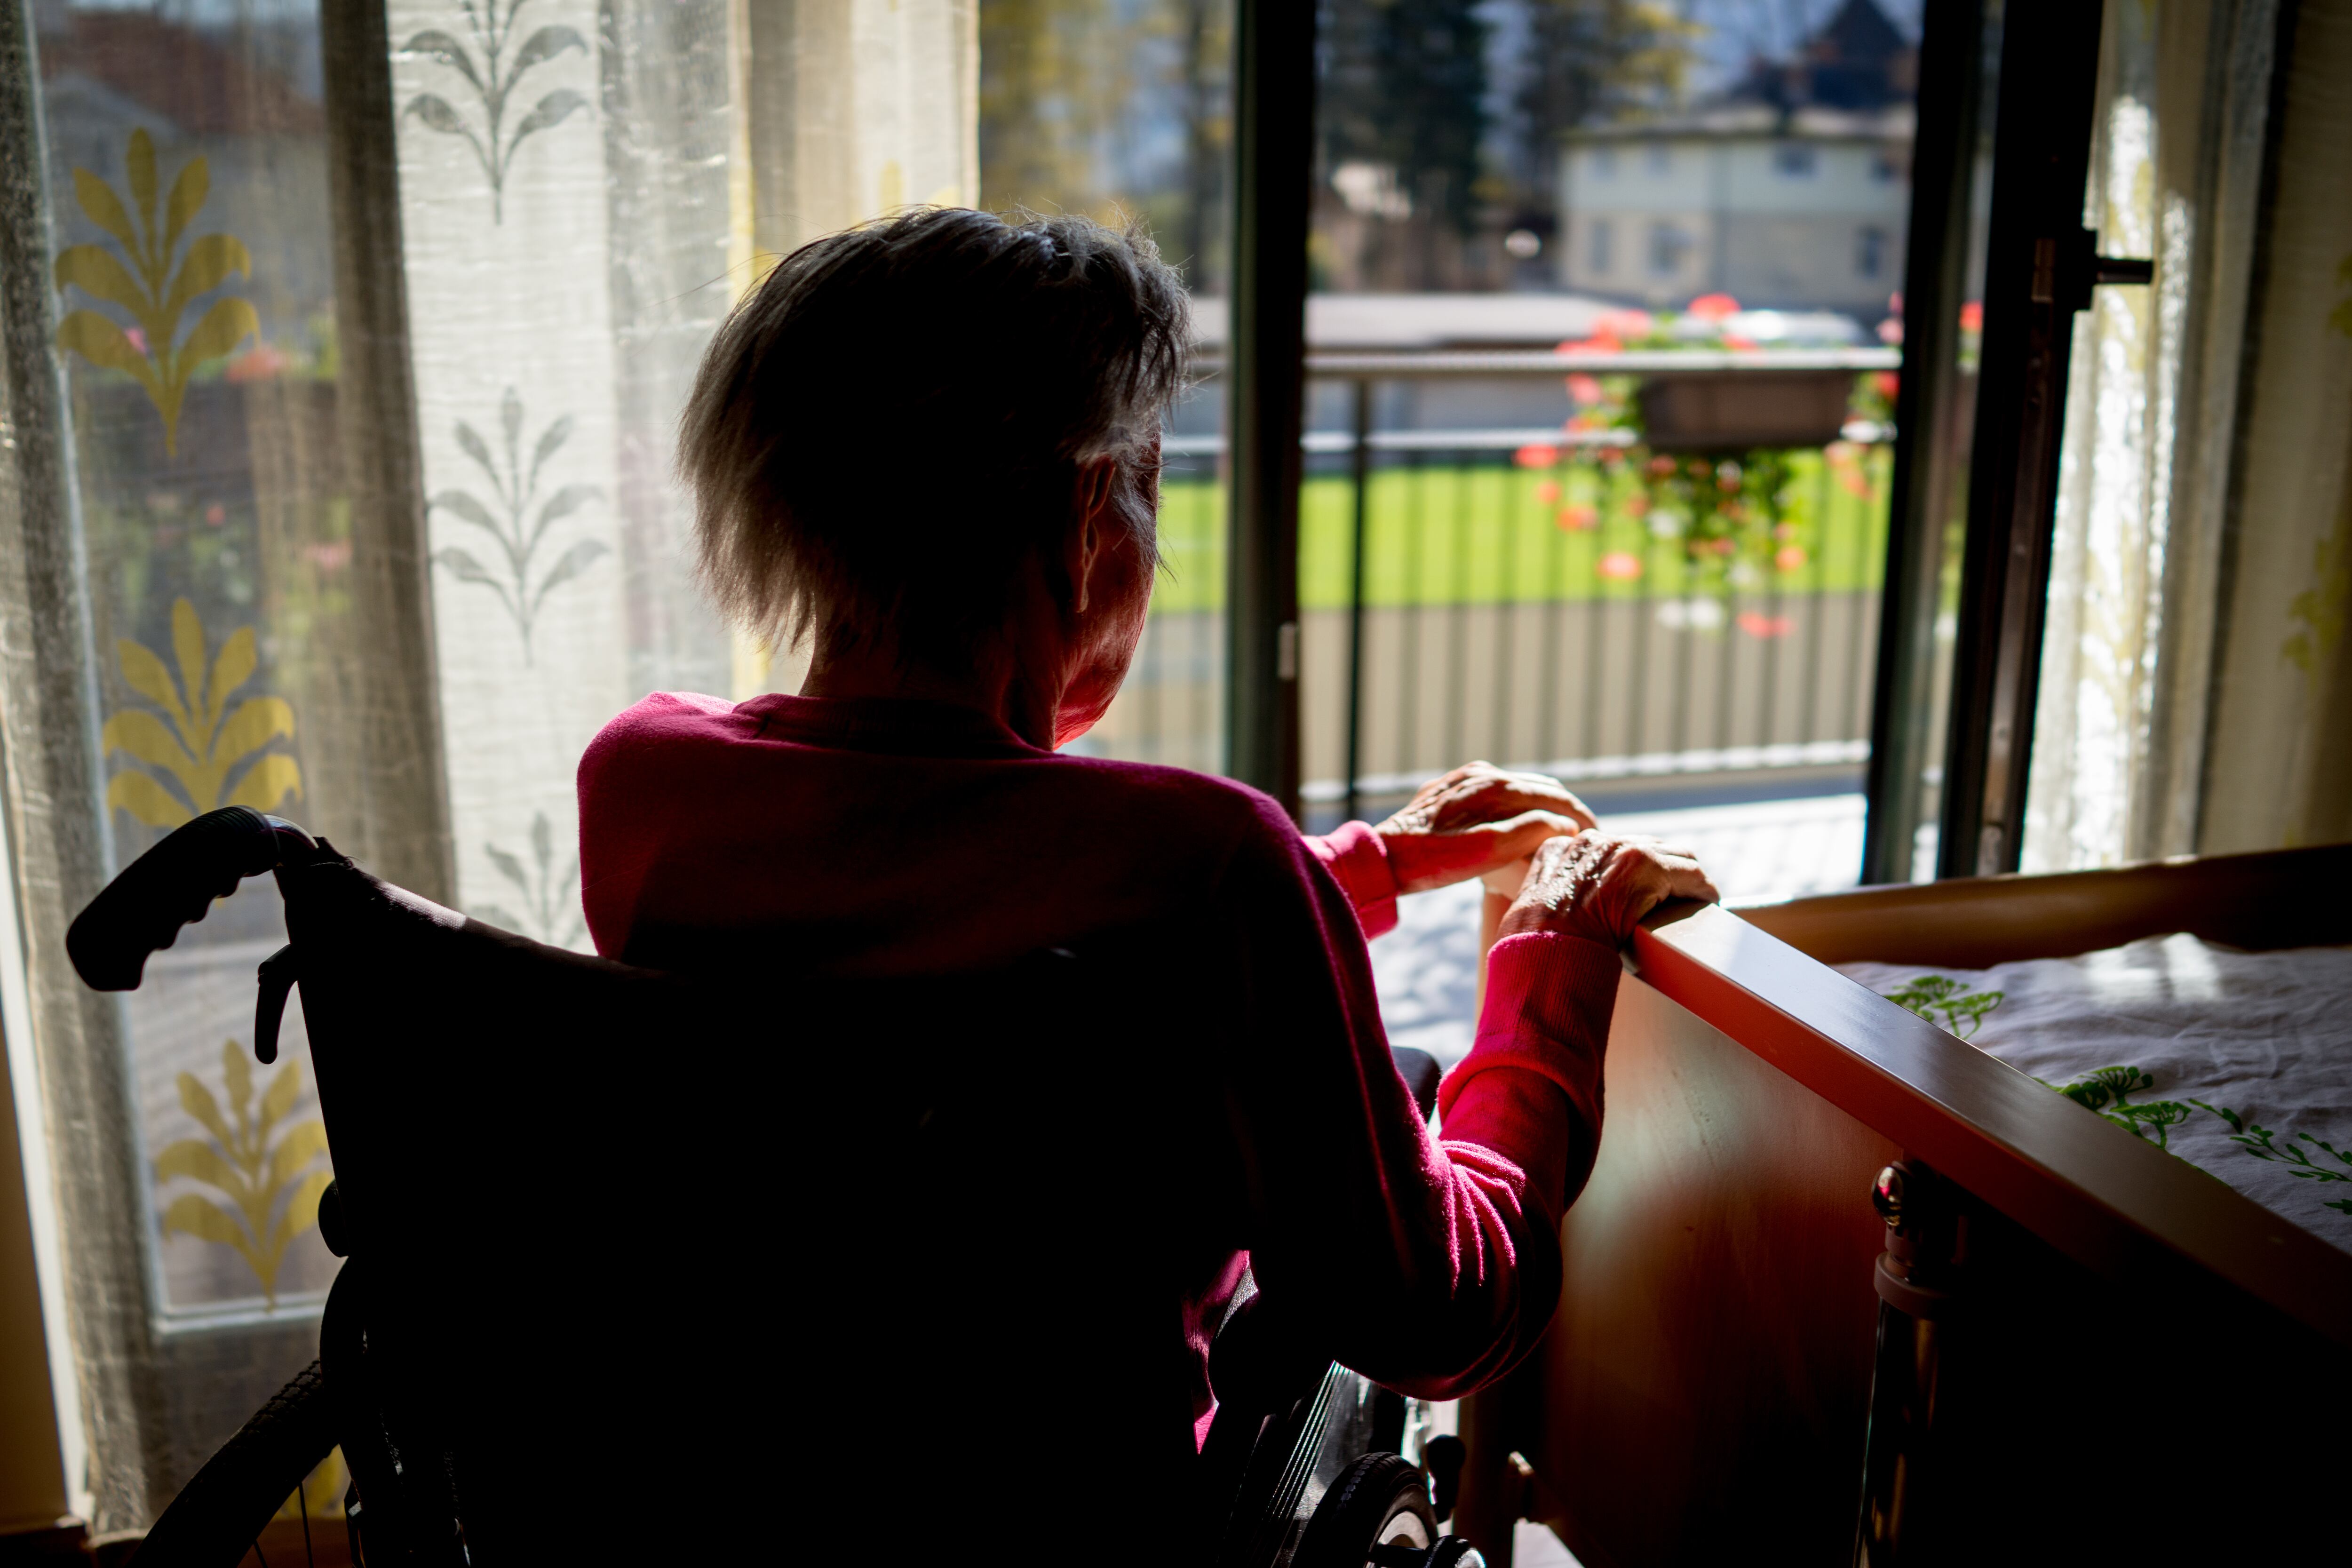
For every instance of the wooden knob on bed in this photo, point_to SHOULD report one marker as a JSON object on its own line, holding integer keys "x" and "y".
{"x": 1886, "y": 1195}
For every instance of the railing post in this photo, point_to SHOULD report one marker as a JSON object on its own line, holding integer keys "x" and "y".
{"x": 1360, "y": 476}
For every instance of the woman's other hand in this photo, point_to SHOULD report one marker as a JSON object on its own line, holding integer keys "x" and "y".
{"x": 1599, "y": 888}
{"x": 1478, "y": 821}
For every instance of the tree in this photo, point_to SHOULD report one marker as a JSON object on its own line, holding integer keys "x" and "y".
{"x": 1589, "y": 60}
{"x": 1095, "y": 106}
{"x": 1404, "y": 86}
{"x": 1052, "y": 79}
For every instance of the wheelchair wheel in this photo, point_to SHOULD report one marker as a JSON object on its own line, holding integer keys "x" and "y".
{"x": 1378, "y": 1500}
{"x": 218, "y": 1516}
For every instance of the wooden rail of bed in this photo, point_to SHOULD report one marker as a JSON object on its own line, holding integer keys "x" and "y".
{"x": 1704, "y": 1389}
{"x": 2119, "y": 1204}
{"x": 2282, "y": 898}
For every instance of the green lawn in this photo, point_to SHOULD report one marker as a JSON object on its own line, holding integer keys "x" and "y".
{"x": 1490, "y": 532}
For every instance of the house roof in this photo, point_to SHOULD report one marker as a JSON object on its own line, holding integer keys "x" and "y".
{"x": 178, "y": 73}
{"x": 1399, "y": 323}
{"x": 1850, "y": 80}
{"x": 1752, "y": 119}
{"x": 1406, "y": 322}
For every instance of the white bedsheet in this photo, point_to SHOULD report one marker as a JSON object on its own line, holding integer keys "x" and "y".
{"x": 2267, "y": 1036}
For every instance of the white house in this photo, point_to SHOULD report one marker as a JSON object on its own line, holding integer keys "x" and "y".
{"x": 1780, "y": 208}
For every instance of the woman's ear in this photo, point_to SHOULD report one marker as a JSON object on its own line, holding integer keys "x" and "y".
{"x": 1089, "y": 534}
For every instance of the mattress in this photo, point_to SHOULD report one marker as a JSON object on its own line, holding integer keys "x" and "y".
{"x": 2239, "y": 1063}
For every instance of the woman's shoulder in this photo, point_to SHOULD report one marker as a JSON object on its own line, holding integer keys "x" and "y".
{"x": 662, "y": 713}
{"x": 660, "y": 720}
{"x": 1210, "y": 813}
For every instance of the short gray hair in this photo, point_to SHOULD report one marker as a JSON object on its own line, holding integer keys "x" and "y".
{"x": 889, "y": 426}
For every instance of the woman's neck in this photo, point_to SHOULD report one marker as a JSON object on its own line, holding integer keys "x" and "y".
{"x": 991, "y": 687}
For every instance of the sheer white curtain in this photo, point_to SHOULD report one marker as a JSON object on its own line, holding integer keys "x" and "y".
{"x": 575, "y": 227}
{"x": 205, "y": 537}
{"x": 2175, "y": 495}
{"x": 2281, "y": 750}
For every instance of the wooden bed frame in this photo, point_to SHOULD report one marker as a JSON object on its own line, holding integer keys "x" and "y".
{"x": 2076, "y": 1346}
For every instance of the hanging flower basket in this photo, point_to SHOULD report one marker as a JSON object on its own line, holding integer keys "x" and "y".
{"x": 1734, "y": 410}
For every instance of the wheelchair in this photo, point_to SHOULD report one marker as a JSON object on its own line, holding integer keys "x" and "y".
{"x": 606, "y": 1290}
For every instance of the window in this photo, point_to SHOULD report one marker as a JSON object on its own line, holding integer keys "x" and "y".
{"x": 1661, "y": 157}
{"x": 1796, "y": 159}
{"x": 1603, "y": 163}
{"x": 565, "y": 245}
{"x": 1669, "y": 243}
{"x": 1869, "y": 252}
{"x": 1097, "y": 108}
{"x": 1599, "y": 237}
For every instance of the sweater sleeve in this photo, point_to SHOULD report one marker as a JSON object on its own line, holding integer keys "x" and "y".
{"x": 1358, "y": 859}
{"x": 1429, "y": 1265}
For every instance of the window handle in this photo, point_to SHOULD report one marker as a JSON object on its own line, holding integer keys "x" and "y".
{"x": 2066, "y": 267}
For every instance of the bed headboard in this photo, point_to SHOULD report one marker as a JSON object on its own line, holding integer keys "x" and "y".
{"x": 2282, "y": 897}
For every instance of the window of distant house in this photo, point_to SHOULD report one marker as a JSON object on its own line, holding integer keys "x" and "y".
{"x": 1598, "y": 241}
{"x": 1796, "y": 159}
{"x": 1604, "y": 162}
{"x": 1667, "y": 245}
{"x": 1885, "y": 170}
{"x": 1661, "y": 157}
{"x": 1869, "y": 252}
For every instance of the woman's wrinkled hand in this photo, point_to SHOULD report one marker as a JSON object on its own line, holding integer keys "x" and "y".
{"x": 1599, "y": 888}
{"x": 1478, "y": 821}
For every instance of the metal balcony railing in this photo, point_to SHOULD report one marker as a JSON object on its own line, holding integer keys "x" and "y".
{"x": 1572, "y": 600}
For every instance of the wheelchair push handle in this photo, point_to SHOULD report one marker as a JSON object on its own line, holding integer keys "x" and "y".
{"x": 173, "y": 885}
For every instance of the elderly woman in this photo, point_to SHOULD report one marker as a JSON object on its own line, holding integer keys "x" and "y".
{"x": 930, "y": 447}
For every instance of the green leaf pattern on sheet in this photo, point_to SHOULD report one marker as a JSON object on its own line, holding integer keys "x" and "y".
{"x": 2260, "y": 1142}
{"x": 2107, "y": 1091}
{"x": 1945, "y": 1001}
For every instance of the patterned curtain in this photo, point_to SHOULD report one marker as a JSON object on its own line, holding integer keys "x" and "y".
{"x": 563, "y": 276}
{"x": 2281, "y": 746}
{"x": 239, "y": 582}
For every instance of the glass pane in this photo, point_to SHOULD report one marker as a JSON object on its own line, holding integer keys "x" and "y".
{"x": 1123, "y": 107}
{"x": 2189, "y": 688}
{"x": 2135, "y": 578}
{"x": 197, "y": 328}
{"x": 1603, "y": 351}
{"x": 586, "y": 188}
{"x": 2108, "y": 549}
{"x": 1944, "y": 450}
{"x": 196, "y": 272}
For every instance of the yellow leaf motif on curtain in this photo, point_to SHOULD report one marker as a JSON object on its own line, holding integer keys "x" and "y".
{"x": 203, "y": 740}
{"x": 153, "y": 352}
{"x": 320, "y": 1495}
{"x": 2319, "y": 610}
{"x": 249, "y": 1164}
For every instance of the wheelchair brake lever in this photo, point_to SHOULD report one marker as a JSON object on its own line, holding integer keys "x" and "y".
{"x": 277, "y": 976}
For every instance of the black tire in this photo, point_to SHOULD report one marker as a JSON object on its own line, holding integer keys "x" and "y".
{"x": 215, "y": 1520}
{"x": 1378, "y": 1499}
